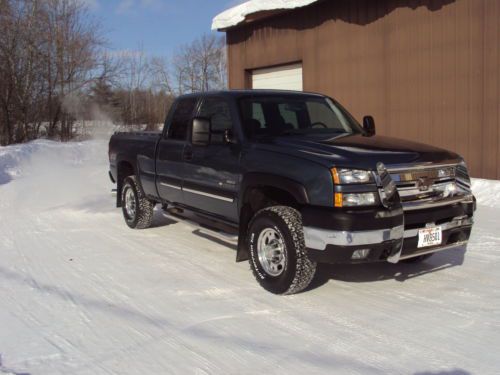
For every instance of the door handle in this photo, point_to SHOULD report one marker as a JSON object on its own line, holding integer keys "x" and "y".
{"x": 188, "y": 154}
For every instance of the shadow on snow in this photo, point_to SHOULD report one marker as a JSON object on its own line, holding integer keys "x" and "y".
{"x": 9, "y": 371}
{"x": 371, "y": 272}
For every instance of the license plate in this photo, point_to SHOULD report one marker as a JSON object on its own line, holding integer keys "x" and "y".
{"x": 430, "y": 237}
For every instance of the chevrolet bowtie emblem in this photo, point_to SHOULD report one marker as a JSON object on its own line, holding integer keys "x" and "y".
{"x": 424, "y": 184}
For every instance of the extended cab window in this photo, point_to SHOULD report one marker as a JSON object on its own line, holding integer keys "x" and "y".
{"x": 181, "y": 118}
{"x": 218, "y": 112}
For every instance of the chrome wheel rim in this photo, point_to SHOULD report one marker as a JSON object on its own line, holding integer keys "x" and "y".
{"x": 271, "y": 251}
{"x": 130, "y": 205}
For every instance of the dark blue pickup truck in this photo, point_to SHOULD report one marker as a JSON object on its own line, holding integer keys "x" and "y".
{"x": 298, "y": 179}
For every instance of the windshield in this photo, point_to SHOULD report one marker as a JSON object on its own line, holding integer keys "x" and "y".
{"x": 294, "y": 115}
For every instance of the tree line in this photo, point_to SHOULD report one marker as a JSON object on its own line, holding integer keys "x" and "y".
{"x": 57, "y": 70}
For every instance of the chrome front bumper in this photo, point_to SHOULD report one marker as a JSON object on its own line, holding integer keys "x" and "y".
{"x": 319, "y": 239}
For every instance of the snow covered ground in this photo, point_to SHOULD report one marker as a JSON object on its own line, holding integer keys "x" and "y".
{"x": 81, "y": 293}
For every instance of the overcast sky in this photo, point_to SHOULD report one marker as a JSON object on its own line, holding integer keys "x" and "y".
{"x": 160, "y": 25}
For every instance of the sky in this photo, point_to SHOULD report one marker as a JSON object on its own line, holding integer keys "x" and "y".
{"x": 159, "y": 26}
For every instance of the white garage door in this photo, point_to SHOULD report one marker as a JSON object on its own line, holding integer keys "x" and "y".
{"x": 285, "y": 77}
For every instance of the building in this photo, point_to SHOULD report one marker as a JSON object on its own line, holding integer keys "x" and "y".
{"x": 427, "y": 70}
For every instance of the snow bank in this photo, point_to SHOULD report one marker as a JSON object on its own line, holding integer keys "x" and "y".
{"x": 237, "y": 14}
{"x": 13, "y": 157}
{"x": 17, "y": 158}
{"x": 487, "y": 192}
{"x": 48, "y": 173}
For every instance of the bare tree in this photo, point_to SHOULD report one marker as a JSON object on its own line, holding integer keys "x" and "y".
{"x": 48, "y": 52}
{"x": 71, "y": 58}
{"x": 200, "y": 66}
{"x": 20, "y": 68}
{"x": 160, "y": 75}
{"x": 54, "y": 69}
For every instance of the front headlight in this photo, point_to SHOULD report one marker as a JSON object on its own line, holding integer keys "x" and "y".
{"x": 351, "y": 176}
{"x": 344, "y": 176}
{"x": 355, "y": 199}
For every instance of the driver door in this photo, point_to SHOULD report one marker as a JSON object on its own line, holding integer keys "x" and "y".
{"x": 212, "y": 173}
{"x": 171, "y": 151}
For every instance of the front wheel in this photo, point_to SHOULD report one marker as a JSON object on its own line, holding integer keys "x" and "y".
{"x": 137, "y": 209}
{"x": 278, "y": 256}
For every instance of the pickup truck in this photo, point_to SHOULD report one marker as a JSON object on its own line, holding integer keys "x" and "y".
{"x": 297, "y": 179}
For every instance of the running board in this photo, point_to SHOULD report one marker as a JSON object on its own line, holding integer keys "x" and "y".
{"x": 219, "y": 234}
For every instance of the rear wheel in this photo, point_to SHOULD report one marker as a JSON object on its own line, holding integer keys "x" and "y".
{"x": 278, "y": 256}
{"x": 137, "y": 209}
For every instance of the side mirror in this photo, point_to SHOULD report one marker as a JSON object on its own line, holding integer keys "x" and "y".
{"x": 369, "y": 125}
{"x": 201, "y": 132}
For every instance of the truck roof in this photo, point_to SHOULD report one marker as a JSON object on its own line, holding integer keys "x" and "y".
{"x": 241, "y": 93}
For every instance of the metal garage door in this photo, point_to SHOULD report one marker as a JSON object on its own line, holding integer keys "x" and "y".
{"x": 285, "y": 77}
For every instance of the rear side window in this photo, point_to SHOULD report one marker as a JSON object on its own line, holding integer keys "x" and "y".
{"x": 183, "y": 114}
{"x": 289, "y": 116}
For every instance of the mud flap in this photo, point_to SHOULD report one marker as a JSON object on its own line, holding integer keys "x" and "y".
{"x": 241, "y": 251}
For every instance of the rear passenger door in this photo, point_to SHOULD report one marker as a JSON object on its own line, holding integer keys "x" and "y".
{"x": 171, "y": 149}
{"x": 212, "y": 173}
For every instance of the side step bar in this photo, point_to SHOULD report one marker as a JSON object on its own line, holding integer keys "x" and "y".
{"x": 212, "y": 232}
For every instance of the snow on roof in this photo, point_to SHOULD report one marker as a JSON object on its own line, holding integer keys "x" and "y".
{"x": 237, "y": 14}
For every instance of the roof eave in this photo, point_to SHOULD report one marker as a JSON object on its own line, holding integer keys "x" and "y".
{"x": 254, "y": 10}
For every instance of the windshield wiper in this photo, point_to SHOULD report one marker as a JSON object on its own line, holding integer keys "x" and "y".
{"x": 312, "y": 131}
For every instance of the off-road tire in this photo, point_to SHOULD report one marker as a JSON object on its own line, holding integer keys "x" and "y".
{"x": 143, "y": 217}
{"x": 418, "y": 259}
{"x": 299, "y": 270}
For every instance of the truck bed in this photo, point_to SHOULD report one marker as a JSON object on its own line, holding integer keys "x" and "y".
{"x": 135, "y": 147}
{"x": 134, "y": 134}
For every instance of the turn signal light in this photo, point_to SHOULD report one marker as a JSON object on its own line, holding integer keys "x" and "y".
{"x": 335, "y": 175}
{"x": 355, "y": 199}
{"x": 339, "y": 200}
{"x": 346, "y": 176}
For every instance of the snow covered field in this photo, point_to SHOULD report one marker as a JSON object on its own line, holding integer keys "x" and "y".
{"x": 81, "y": 293}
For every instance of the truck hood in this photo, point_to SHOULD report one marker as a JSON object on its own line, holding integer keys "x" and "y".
{"x": 357, "y": 151}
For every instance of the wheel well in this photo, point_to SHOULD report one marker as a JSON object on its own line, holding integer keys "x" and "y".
{"x": 264, "y": 196}
{"x": 255, "y": 199}
{"x": 124, "y": 170}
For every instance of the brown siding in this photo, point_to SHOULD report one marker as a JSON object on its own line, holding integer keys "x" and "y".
{"x": 428, "y": 70}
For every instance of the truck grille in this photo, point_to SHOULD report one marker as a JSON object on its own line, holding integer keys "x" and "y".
{"x": 435, "y": 174}
{"x": 424, "y": 187}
